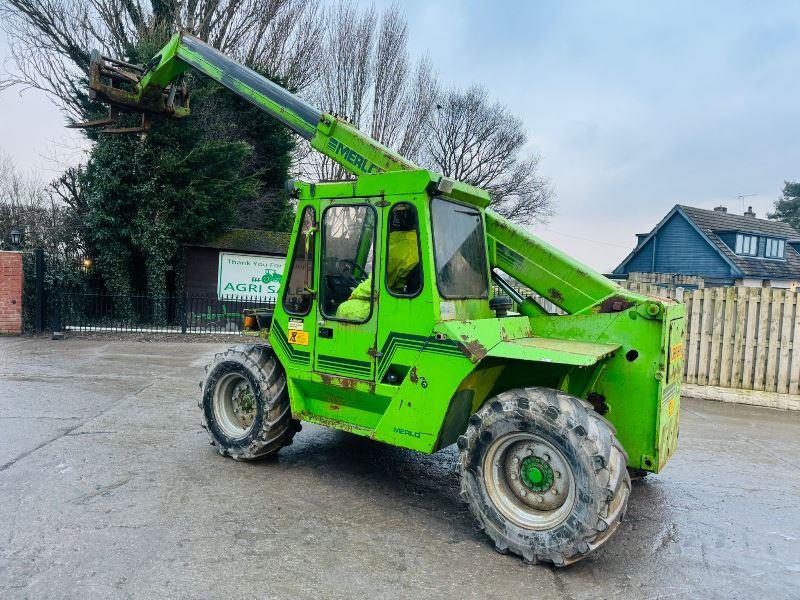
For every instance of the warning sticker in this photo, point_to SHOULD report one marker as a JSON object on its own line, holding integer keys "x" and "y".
{"x": 669, "y": 392}
{"x": 447, "y": 310}
{"x": 298, "y": 338}
{"x": 296, "y": 324}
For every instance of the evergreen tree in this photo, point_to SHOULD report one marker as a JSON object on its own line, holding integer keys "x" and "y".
{"x": 787, "y": 207}
{"x": 186, "y": 181}
{"x": 231, "y": 118}
{"x": 145, "y": 198}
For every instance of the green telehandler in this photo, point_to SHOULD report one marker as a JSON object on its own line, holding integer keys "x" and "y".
{"x": 386, "y": 326}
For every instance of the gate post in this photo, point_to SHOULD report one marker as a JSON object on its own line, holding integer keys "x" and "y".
{"x": 184, "y": 312}
{"x": 58, "y": 334}
{"x": 38, "y": 314}
{"x": 11, "y": 292}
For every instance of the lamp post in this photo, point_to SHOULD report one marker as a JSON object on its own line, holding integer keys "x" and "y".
{"x": 16, "y": 238}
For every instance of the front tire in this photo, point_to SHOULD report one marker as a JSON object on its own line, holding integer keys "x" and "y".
{"x": 245, "y": 403}
{"x": 543, "y": 475}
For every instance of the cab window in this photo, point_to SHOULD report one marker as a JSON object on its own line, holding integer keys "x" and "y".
{"x": 403, "y": 269}
{"x": 298, "y": 296}
{"x": 348, "y": 252}
{"x": 460, "y": 250}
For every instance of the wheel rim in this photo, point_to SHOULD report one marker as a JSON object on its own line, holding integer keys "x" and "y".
{"x": 234, "y": 405}
{"x": 529, "y": 481}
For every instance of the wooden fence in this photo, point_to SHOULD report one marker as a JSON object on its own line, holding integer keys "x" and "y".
{"x": 737, "y": 337}
{"x": 652, "y": 289}
{"x": 746, "y": 338}
{"x": 743, "y": 338}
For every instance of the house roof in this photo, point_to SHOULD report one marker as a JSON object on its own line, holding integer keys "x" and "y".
{"x": 710, "y": 222}
{"x": 251, "y": 240}
{"x": 716, "y": 220}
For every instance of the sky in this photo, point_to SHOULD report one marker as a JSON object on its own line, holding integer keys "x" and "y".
{"x": 633, "y": 106}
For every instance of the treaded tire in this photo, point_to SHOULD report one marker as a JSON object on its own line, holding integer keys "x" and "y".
{"x": 272, "y": 424}
{"x": 595, "y": 457}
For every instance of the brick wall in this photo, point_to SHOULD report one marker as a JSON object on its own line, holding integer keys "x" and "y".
{"x": 10, "y": 292}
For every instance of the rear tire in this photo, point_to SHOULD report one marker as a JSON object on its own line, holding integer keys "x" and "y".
{"x": 544, "y": 476}
{"x": 245, "y": 403}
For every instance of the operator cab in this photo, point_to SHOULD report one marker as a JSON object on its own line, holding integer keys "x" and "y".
{"x": 369, "y": 268}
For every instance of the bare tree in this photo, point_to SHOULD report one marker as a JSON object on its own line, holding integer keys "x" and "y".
{"x": 50, "y": 40}
{"x": 67, "y": 189}
{"x": 480, "y": 143}
{"x": 44, "y": 220}
{"x": 367, "y": 79}
{"x": 18, "y": 190}
{"x": 421, "y": 99}
{"x": 389, "y": 97}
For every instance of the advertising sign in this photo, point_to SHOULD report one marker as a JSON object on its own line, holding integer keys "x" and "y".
{"x": 249, "y": 276}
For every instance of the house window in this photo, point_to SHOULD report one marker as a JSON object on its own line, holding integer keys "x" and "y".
{"x": 746, "y": 244}
{"x": 774, "y": 248}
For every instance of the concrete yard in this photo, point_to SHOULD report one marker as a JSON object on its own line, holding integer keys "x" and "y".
{"x": 109, "y": 488}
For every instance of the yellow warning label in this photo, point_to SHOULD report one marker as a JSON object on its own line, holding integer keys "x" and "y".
{"x": 298, "y": 338}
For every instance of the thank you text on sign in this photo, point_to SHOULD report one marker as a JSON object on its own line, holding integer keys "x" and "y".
{"x": 249, "y": 276}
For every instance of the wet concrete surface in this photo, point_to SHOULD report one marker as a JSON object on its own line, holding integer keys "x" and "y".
{"x": 108, "y": 488}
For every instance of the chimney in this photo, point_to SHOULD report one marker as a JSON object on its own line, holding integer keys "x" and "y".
{"x": 749, "y": 212}
{"x": 720, "y": 209}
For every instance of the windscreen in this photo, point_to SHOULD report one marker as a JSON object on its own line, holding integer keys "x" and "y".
{"x": 460, "y": 246}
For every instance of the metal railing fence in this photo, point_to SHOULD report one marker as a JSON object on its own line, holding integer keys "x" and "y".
{"x": 190, "y": 313}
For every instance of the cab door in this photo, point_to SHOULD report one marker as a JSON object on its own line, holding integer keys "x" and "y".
{"x": 347, "y": 319}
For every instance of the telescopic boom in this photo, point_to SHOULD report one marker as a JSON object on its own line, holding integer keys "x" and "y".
{"x": 158, "y": 90}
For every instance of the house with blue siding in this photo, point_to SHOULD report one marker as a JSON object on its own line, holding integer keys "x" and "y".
{"x": 719, "y": 248}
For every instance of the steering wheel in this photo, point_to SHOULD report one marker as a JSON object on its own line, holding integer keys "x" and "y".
{"x": 351, "y": 269}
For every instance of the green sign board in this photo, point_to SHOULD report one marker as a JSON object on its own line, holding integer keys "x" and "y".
{"x": 249, "y": 276}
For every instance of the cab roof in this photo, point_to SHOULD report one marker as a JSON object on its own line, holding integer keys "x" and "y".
{"x": 394, "y": 183}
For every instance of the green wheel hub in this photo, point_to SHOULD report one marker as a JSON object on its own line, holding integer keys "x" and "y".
{"x": 529, "y": 480}
{"x": 536, "y": 474}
